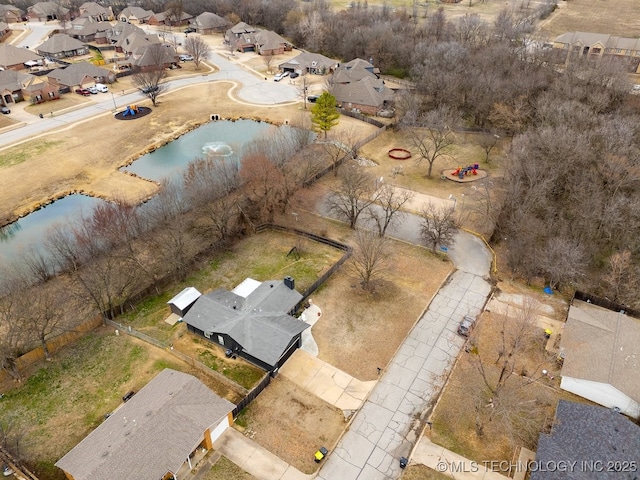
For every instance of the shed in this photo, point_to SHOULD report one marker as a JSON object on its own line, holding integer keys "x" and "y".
{"x": 182, "y": 302}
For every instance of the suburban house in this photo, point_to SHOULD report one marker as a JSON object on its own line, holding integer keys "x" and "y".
{"x": 245, "y": 38}
{"x": 592, "y": 439}
{"x": 598, "y": 45}
{"x": 151, "y": 57}
{"x": 167, "y": 18}
{"x": 134, "y": 15}
{"x": 313, "y": 63}
{"x": 11, "y": 14}
{"x": 253, "y": 321}
{"x": 356, "y": 86}
{"x": 14, "y": 58}
{"x": 207, "y": 23}
{"x": 601, "y": 351}
{"x": 79, "y": 75}
{"x": 87, "y": 29}
{"x": 153, "y": 434}
{"x": 270, "y": 43}
{"x": 96, "y": 12}
{"x": 5, "y": 31}
{"x": 127, "y": 37}
{"x": 241, "y": 37}
{"x": 18, "y": 86}
{"x": 44, "y": 11}
{"x": 61, "y": 45}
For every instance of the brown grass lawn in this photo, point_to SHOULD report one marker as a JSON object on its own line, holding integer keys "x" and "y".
{"x": 616, "y": 17}
{"x": 292, "y": 423}
{"x": 420, "y": 472}
{"x": 67, "y": 398}
{"x": 454, "y": 415}
{"x": 227, "y": 470}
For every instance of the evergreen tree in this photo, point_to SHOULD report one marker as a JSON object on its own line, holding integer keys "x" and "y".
{"x": 324, "y": 114}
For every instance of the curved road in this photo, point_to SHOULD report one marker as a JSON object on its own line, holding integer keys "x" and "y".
{"x": 390, "y": 422}
{"x": 253, "y": 89}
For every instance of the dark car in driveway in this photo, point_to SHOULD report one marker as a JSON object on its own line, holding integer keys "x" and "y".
{"x": 313, "y": 98}
{"x": 5, "y": 110}
{"x": 466, "y": 325}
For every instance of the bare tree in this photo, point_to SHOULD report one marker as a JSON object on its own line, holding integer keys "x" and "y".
{"x": 488, "y": 143}
{"x": 13, "y": 337}
{"x": 173, "y": 10}
{"x": 562, "y": 260}
{"x": 268, "y": 59}
{"x": 354, "y": 194}
{"x": 198, "y": 49}
{"x": 432, "y": 134}
{"x": 622, "y": 277}
{"x": 438, "y": 225}
{"x": 388, "y": 207}
{"x": 149, "y": 80}
{"x": 370, "y": 259}
{"x": 342, "y": 147}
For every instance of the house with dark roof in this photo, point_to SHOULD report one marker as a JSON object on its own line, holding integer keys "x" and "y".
{"x": 207, "y": 23}
{"x": 44, "y": 11}
{"x": 61, "y": 45}
{"x": 15, "y": 58}
{"x": 80, "y": 75}
{"x": 601, "y": 351}
{"x": 356, "y": 86}
{"x": 96, "y": 11}
{"x": 11, "y": 14}
{"x": 87, "y": 29}
{"x": 135, "y": 15}
{"x": 313, "y": 63}
{"x": 574, "y": 45}
{"x": 241, "y": 37}
{"x": 16, "y": 86}
{"x": 168, "y": 18}
{"x": 150, "y": 56}
{"x": 589, "y": 442}
{"x": 253, "y": 321}
{"x": 153, "y": 434}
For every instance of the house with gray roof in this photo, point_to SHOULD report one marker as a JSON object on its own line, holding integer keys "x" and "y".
{"x": 253, "y": 321}
{"x": 15, "y": 58}
{"x": 11, "y": 14}
{"x": 135, "y": 15}
{"x": 153, "y": 434}
{"x": 308, "y": 62}
{"x": 207, "y": 23}
{"x": 356, "y": 86}
{"x": 61, "y": 45}
{"x": 17, "y": 86}
{"x": 573, "y": 45}
{"x": 588, "y": 442}
{"x": 87, "y": 29}
{"x": 44, "y": 11}
{"x": 96, "y": 11}
{"x": 5, "y": 31}
{"x": 601, "y": 351}
{"x": 80, "y": 75}
{"x": 169, "y": 18}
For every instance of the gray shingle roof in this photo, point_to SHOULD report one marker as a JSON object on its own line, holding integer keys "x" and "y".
{"x": 585, "y": 433}
{"x": 14, "y": 81}
{"x": 259, "y": 322}
{"x": 60, "y": 42}
{"x": 604, "y": 39}
{"x": 151, "y": 434}
{"x": 602, "y": 346}
{"x": 310, "y": 60}
{"x": 48, "y": 9}
{"x": 208, "y": 20}
{"x": 10, "y": 55}
{"x": 74, "y": 74}
{"x": 368, "y": 91}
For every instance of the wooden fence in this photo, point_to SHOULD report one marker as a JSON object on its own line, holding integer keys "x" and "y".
{"x": 250, "y": 397}
{"x": 606, "y": 303}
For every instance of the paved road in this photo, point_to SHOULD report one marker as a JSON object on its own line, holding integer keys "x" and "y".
{"x": 253, "y": 89}
{"x": 390, "y": 422}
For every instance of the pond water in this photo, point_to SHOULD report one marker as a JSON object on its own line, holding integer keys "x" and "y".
{"x": 30, "y": 231}
{"x": 224, "y": 139}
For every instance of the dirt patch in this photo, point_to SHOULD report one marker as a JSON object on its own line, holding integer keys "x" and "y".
{"x": 292, "y": 423}
{"x": 615, "y": 17}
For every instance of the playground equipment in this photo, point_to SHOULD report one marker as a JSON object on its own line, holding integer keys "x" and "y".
{"x": 399, "y": 154}
{"x": 130, "y": 110}
{"x": 461, "y": 172}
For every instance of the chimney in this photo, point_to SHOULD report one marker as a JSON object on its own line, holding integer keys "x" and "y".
{"x": 290, "y": 282}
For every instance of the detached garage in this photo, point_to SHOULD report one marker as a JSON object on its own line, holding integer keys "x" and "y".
{"x": 154, "y": 435}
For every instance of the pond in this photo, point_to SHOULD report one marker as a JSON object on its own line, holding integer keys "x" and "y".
{"x": 223, "y": 139}
{"x": 30, "y": 231}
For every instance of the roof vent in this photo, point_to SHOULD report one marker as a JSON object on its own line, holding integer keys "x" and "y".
{"x": 290, "y": 283}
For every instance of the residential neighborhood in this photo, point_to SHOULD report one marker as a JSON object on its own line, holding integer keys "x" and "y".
{"x": 302, "y": 240}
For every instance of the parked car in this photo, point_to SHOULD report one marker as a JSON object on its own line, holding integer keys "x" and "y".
{"x": 313, "y": 98}
{"x": 5, "y": 110}
{"x": 93, "y": 90}
{"x": 465, "y": 327}
{"x": 101, "y": 87}
{"x": 149, "y": 89}
{"x": 280, "y": 76}
{"x": 189, "y": 30}
{"x": 83, "y": 91}
{"x": 294, "y": 75}
{"x": 186, "y": 58}
{"x": 7, "y": 471}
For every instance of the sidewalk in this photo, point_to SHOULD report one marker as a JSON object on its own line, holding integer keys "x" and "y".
{"x": 254, "y": 459}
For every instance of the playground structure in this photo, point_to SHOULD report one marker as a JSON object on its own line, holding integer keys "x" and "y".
{"x": 132, "y": 112}
{"x": 399, "y": 154}
{"x": 461, "y": 172}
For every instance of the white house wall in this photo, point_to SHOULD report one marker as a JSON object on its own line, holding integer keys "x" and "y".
{"x": 603, "y": 394}
{"x": 219, "y": 430}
